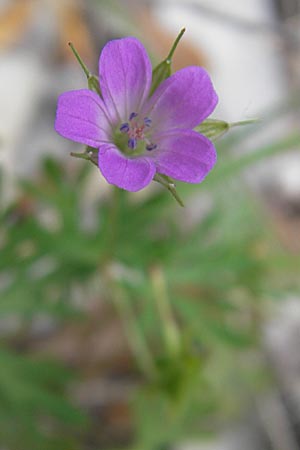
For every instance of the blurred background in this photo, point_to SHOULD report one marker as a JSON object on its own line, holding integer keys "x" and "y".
{"x": 125, "y": 320}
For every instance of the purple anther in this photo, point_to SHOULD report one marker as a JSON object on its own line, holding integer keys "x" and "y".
{"x": 150, "y": 147}
{"x": 133, "y": 115}
{"x": 132, "y": 143}
{"x": 124, "y": 128}
{"x": 147, "y": 122}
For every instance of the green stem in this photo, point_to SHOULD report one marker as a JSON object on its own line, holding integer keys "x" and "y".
{"x": 118, "y": 296}
{"x": 113, "y": 222}
{"x": 169, "y": 326}
{"x": 170, "y": 55}
{"x": 135, "y": 339}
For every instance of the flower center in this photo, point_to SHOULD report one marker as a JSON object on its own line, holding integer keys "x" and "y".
{"x": 137, "y": 133}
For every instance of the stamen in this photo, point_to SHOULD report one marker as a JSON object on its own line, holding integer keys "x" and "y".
{"x": 147, "y": 121}
{"x": 132, "y": 143}
{"x": 137, "y": 130}
{"x": 132, "y": 115}
{"x": 150, "y": 147}
{"x": 124, "y": 128}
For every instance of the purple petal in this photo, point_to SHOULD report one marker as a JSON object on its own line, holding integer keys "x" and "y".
{"x": 185, "y": 155}
{"x": 81, "y": 117}
{"x": 183, "y": 100}
{"x": 131, "y": 174}
{"x": 125, "y": 77}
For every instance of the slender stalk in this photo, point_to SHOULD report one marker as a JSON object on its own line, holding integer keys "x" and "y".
{"x": 134, "y": 336}
{"x": 113, "y": 215}
{"x": 169, "y": 326}
{"x": 118, "y": 296}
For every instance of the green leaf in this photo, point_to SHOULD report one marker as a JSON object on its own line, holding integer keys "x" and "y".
{"x": 32, "y": 395}
{"x": 163, "y": 70}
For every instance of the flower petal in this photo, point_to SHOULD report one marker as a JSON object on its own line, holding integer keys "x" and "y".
{"x": 183, "y": 100}
{"x": 185, "y": 155}
{"x": 81, "y": 117}
{"x": 125, "y": 77}
{"x": 131, "y": 174}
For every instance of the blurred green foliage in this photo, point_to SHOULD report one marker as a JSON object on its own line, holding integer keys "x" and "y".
{"x": 190, "y": 291}
{"x": 32, "y": 410}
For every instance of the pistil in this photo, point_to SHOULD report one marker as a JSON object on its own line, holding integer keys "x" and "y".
{"x": 137, "y": 131}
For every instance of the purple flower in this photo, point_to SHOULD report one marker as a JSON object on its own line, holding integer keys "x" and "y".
{"x": 138, "y": 135}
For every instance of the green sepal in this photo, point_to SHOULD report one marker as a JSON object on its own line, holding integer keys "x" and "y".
{"x": 160, "y": 73}
{"x": 163, "y": 70}
{"x": 214, "y": 129}
{"x": 93, "y": 81}
{"x": 169, "y": 184}
{"x": 93, "y": 84}
{"x": 90, "y": 154}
